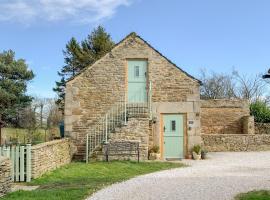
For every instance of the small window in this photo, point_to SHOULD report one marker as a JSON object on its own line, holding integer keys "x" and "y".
{"x": 137, "y": 71}
{"x": 173, "y": 125}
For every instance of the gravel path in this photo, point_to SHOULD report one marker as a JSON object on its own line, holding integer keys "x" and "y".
{"x": 220, "y": 177}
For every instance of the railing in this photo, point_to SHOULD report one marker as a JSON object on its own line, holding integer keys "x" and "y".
{"x": 115, "y": 118}
{"x": 20, "y": 157}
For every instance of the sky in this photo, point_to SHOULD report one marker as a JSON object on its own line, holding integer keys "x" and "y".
{"x": 196, "y": 34}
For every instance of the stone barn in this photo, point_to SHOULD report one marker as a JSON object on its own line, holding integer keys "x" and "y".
{"x": 134, "y": 93}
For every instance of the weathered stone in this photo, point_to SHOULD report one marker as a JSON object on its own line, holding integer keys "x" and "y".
{"x": 262, "y": 128}
{"x": 5, "y": 176}
{"x": 91, "y": 94}
{"x": 223, "y": 116}
{"x": 49, "y": 156}
{"x": 236, "y": 142}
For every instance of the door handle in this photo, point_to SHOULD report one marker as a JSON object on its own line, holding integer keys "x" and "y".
{"x": 164, "y": 128}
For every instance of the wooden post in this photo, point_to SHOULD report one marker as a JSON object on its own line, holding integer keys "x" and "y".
{"x": 22, "y": 174}
{"x": 28, "y": 163}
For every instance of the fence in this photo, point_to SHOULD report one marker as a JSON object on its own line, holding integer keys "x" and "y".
{"x": 20, "y": 157}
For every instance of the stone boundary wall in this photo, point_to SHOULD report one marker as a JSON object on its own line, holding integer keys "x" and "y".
{"x": 5, "y": 176}
{"x": 222, "y": 116}
{"x": 49, "y": 156}
{"x": 262, "y": 128}
{"x": 236, "y": 142}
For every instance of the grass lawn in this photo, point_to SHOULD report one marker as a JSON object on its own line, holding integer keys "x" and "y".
{"x": 254, "y": 195}
{"x": 79, "y": 180}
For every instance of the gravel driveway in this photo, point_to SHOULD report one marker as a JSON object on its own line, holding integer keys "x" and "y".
{"x": 220, "y": 177}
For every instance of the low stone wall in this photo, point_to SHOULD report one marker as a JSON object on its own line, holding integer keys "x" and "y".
{"x": 262, "y": 128}
{"x": 223, "y": 116}
{"x": 49, "y": 156}
{"x": 5, "y": 176}
{"x": 236, "y": 142}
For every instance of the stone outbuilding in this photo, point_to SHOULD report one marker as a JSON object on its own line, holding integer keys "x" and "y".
{"x": 134, "y": 93}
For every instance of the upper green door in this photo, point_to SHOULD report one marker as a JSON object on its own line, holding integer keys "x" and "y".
{"x": 173, "y": 136}
{"x": 137, "y": 76}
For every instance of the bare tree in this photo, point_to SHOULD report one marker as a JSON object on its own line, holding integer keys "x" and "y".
{"x": 250, "y": 87}
{"x": 27, "y": 120}
{"x": 54, "y": 115}
{"x": 41, "y": 105}
{"x": 217, "y": 86}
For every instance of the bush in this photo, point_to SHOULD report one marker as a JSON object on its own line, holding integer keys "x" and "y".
{"x": 197, "y": 149}
{"x": 260, "y": 111}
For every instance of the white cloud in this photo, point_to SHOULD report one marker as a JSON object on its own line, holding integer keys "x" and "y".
{"x": 78, "y": 11}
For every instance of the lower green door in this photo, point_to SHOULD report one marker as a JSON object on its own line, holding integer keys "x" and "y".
{"x": 173, "y": 136}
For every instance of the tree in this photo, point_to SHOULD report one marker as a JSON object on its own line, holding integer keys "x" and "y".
{"x": 260, "y": 111}
{"x": 27, "y": 120}
{"x": 251, "y": 88}
{"x": 217, "y": 86}
{"x": 14, "y": 76}
{"x": 78, "y": 56}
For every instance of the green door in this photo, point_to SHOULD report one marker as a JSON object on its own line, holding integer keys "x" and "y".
{"x": 137, "y": 75}
{"x": 173, "y": 136}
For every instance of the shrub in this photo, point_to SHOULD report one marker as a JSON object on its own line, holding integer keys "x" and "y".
{"x": 197, "y": 149}
{"x": 260, "y": 111}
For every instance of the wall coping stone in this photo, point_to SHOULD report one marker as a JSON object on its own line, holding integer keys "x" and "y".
{"x": 50, "y": 143}
{"x": 224, "y": 103}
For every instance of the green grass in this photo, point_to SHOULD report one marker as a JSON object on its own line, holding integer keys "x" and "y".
{"x": 79, "y": 180}
{"x": 254, "y": 195}
{"x": 20, "y": 135}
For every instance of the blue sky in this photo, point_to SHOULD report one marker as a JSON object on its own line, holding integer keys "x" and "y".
{"x": 195, "y": 34}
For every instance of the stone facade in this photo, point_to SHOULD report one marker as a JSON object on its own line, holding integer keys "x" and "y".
{"x": 137, "y": 129}
{"x": 90, "y": 94}
{"x": 49, "y": 156}
{"x": 262, "y": 128}
{"x": 236, "y": 142}
{"x": 5, "y": 176}
{"x": 225, "y": 117}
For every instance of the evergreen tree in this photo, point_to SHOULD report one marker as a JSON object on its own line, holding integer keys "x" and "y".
{"x": 14, "y": 76}
{"x": 78, "y": 56}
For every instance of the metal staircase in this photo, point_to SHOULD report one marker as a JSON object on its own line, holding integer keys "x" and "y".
{"x": 114, "y": 119}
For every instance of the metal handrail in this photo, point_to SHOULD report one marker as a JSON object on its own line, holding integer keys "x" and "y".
{"x": 115, "y": 117}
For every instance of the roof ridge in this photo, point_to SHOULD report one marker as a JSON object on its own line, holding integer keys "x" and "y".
{"x": 134, "y": 35}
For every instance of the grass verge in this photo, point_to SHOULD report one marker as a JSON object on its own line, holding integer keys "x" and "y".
{"x": 254, "y": 195}
{"x": 79, "y": 180}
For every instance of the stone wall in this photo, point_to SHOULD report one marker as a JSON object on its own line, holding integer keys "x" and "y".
{"x": 137, "y": 129}
{"x": 262, "y": 128}
{"x": 5, "y": 176}
{"x": 91, "y": 94}
{"x": 49, "y": 156}
{"x": 236, "y": 142}
{"x": 224, "y": 116}
{"x": 248, "y": 125}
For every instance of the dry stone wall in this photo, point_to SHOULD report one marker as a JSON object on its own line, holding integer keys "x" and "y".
{"x": 236, "y": 142}
{"x": 5, "y": 176}
{"x": 91, "y": 94}
{"x": 49, "y": 156}
{"x": 262, "y": 128}
{"x": 224, "y": 117}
